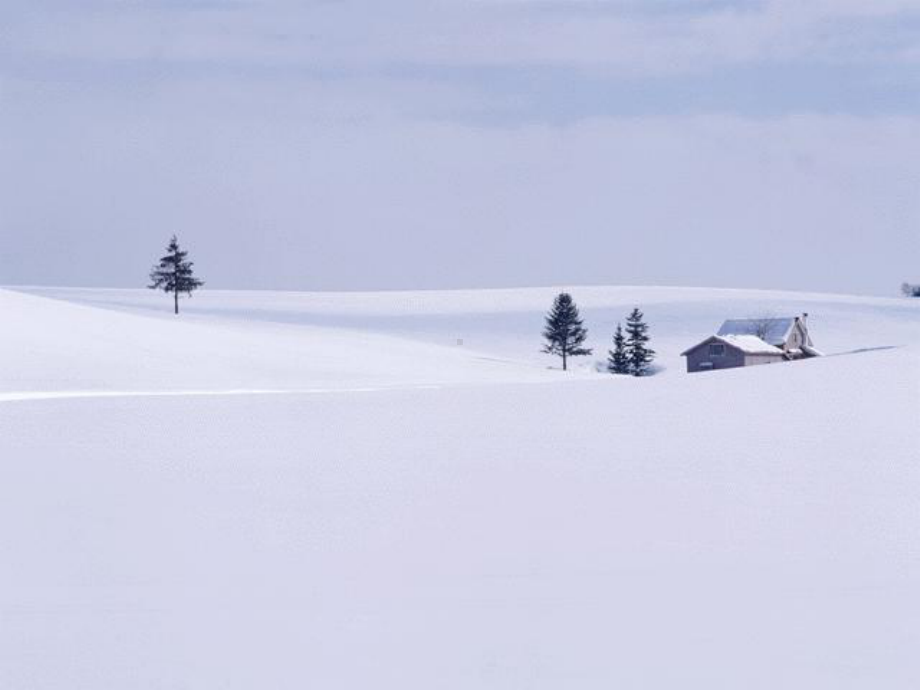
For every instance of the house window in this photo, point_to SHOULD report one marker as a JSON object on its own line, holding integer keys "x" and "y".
{"x": 716, "y": 350}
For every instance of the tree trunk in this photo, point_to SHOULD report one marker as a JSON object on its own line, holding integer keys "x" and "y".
{"x": 176, "y": 301}
{"x": 564, "y": 367}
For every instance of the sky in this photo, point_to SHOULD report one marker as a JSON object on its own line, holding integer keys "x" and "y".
{"x": 408, "y": 144}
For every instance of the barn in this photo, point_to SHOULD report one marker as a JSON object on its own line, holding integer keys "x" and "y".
{"x": 746, "y": 342}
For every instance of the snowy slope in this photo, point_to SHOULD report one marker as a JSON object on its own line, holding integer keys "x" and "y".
{"x": 505, "y": 324}
{"x": 511, "y": 527}
{"x": 51, "y": 345}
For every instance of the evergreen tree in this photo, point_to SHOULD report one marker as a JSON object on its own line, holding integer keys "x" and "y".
{"x": 617, "y": 358}
{"x": 174, "y": 274}
{"x": 910, "y": 290}
{"x": 638, "y": 354}
{"x": 564, "y": 332}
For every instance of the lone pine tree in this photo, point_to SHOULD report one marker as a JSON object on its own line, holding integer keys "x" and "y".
{"x": 618, "y": 358}
{"x": 564, "y": 331}
{"x": 639, "y": 356}
{"x": 174, "y": 274}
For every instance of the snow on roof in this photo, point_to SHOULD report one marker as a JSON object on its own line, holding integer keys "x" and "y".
{"x": 773, "y": 331}
{"x": 750, "y": 344}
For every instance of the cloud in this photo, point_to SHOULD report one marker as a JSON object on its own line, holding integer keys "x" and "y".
{"x": 269, "y": 200}
{"x": 619, "y": 37}
{"x": 429, "y": 144}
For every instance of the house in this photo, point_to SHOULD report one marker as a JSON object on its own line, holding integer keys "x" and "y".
{"x": 746, "y": 342}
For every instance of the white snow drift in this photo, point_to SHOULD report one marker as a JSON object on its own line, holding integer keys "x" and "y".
{"x": 284, "y": 490}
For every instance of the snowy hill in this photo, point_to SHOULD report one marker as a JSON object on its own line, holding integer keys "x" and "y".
{"x": 451, "y": 516}
{"x": 57, "y": 346}
{"x": 272, "y": 340}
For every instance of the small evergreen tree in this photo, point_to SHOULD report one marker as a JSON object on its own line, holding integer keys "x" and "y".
{"x": 638, "y": 354}
{"x": 564, "y": 331}
{"x": 174, "y": 274}
{"x": 617, "y": 358}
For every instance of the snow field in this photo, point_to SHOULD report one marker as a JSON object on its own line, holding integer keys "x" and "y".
{"x": 451, "y": 517}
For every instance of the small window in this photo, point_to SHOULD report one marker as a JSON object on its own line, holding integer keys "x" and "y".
{"x": 716, "y": 350}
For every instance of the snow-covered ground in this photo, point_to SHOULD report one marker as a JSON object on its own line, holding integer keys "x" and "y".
{"x": 293, "y": 490}
{"x": 289, "y": 340}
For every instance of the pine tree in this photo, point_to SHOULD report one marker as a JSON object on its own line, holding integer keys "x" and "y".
{"x": 174, "y": 274}
{"x": 638, "y": 354}
{"x": 564, "y": 332}
{"x": 617, "y": 358}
